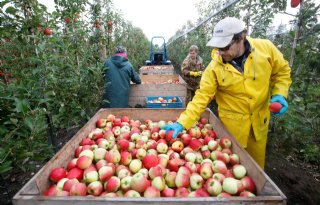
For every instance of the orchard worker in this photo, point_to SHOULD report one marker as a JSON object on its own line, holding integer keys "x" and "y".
{"x": 242, "y": 76}
{"x": 118, "y": 74}
{"x": 192, "y": 68}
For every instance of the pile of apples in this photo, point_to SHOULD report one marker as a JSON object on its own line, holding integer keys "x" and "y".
{"x": 163, "y": 67}
{"x": 162, "y": 82}
{"x": 163, "y": 100}
{"x": 123, "y": 157}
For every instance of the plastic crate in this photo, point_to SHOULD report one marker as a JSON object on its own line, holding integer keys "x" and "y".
{"x": 165, "y": 104}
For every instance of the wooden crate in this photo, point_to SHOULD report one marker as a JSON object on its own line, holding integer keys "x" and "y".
{"x": 30, "y": 194}
{"x": 157, "y": 70}
{"x": 138, "y": 93}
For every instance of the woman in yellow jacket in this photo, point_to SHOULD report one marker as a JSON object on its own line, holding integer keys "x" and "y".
{"x": 242, "y": 76}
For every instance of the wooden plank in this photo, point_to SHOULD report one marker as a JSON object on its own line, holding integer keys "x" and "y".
{"x": 267, "y": 191}
{"x": 41, "y": 200}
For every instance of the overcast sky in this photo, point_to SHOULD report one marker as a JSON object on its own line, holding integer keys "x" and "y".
{"x": 164, "y": 17}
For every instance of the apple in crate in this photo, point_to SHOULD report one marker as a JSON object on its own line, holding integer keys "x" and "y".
{"x": 140, "y": 182}
{"x": 151, "y": 192}
{"x": 57, "y": 173}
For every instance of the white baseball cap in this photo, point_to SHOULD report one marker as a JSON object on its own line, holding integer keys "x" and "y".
{"x": 224, "y": 31}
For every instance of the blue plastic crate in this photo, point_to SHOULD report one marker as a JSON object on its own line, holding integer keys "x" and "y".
{"x": 150, "y": 101}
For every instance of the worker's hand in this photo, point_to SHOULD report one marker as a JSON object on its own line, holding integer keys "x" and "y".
{"x": 176, "y": 127}
{"x": 195, "y": 74}
{"x": 280, "y": 99}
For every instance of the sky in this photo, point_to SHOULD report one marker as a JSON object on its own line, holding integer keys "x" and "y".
{"x": 165, "y": 17}
{"x": 158, "y": 18}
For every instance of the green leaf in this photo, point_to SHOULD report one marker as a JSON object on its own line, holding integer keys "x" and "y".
{"x": 11, "y": 10}
{"x": 5, "y": 167}
{"x": 28, "y": 121}
{"x": 3, "y": 3}
{"x": 21, "y": 105}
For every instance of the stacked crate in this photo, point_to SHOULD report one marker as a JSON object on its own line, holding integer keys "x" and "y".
{"x": 157, "y": 85}
{"x": 157, "y": 70}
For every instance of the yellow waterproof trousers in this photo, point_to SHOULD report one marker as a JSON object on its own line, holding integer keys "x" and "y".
{"x": 257, "y": 149}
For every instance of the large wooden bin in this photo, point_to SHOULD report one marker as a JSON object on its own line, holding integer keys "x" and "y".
{"x": 157, "y": 85}
{"x": 157, "y": 70}
{"x": 30, "y": 194}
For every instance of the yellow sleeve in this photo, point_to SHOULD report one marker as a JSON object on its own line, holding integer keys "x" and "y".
{"x": 281, "y": 73}
{"x": 203, "y": 96}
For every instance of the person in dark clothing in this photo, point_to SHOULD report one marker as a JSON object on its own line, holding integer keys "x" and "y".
{"x": 118, "y": 74}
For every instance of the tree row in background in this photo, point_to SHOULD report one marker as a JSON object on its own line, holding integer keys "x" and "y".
{"x": 51, "y": 71}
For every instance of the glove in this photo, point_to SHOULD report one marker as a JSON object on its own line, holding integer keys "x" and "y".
{"x": 195, "y": 74}
{"x": 176, "y": 127}
{"x": 280, "y": 99}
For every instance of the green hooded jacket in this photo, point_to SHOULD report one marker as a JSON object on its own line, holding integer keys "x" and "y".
{"x": 119, "y": 72}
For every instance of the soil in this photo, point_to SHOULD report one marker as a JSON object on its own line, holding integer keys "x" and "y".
{"x": 299, "y": 181}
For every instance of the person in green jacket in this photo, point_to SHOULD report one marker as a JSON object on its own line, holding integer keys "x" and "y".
{"x": 192, "y": 68}
{"x": 242, "y": 77}
{"x": 119, "y": 72}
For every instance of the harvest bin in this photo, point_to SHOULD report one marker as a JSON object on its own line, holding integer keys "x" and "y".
{"x": 150, "y": 104}
{"x": 157, "y": 85}
{"x": 156, "y": 70}
{"x": 30, "y": 194}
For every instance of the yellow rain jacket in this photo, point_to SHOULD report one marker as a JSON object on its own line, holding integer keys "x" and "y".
{"x": 243, "y": 99}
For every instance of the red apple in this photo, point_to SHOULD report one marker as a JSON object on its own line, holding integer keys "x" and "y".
{"x": 248, "y": 184}
{"x": 84, "y": 162}
{"x": 150, "y": 161}
{"x": 182, "y": 192}
{"x": 219, "y": 166}
{"x": 151, "y": 192}
{"x": 213, "y": 187}
{"x": 51, "y": 191}
{"x": 168, "y": 192}
{"x": 206, "y": 170}
{"x": 275, "y": 107}
{"x": 139, "y": 182}
{"x": 105, "y": 173}
{"x": 135, "y": 165}
{"x": 75, "y": 173}
{"x": 132, "y": 193}
{"x": 182, "y": 180}
{"x": 57, "y": 173}
{"x": 125, "y": 183}
{"x": 247, "y": 194}
{"x": 158, "y": 182}
{"x": 174, "y": 164}
{"x": 95, "y": 188}
{"x": 69, "y": 183}
{"x": 196, "y": 181}
{"x": 225, "y": 142}
{"x": 177, "y": 146}
{"x": 195, "y": 144}
{"x": 78, "y": 189}
{"x": 112, "y": 185}
{"x": 101, "y": 123}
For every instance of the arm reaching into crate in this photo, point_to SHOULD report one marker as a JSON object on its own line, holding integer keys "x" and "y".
{"x": 176, "y": 127}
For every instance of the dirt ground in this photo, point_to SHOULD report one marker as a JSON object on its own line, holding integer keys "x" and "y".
{"x": 299, "y": 181}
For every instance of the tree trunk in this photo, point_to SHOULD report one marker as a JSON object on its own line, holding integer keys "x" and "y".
{"x": 297, "y": 33}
